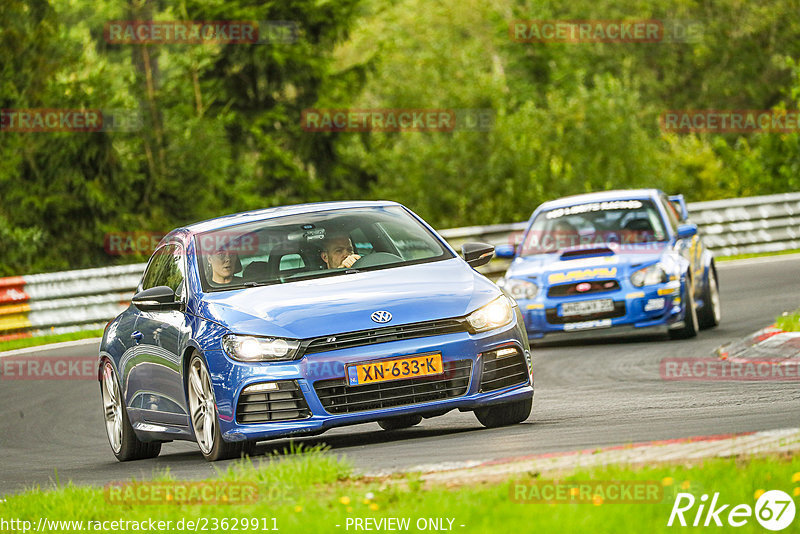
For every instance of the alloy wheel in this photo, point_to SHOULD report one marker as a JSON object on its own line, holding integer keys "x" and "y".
{"x": 201, "y": 405}
{"x": 112, "y": 407}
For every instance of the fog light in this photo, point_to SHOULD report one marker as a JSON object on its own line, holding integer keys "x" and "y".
{"x": 262, "y": 387}
{"x": 491, "y": 355}
{"x": 654, "y": 304}
{"x": 502, "y": 353}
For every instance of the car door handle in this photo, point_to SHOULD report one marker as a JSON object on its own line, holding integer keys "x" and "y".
{"x": 137, "y": 336}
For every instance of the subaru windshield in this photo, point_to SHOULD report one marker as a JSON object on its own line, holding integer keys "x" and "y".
{"x": 595, "y": 224}
{"x": 314, "y": 245}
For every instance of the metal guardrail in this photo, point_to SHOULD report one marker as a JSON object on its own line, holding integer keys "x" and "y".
{"x": 749, "y": 225}
{"x": 68, "y": 301}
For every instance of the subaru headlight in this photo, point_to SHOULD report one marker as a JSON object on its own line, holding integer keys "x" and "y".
{"x": 259, "y": 349}
{"x": 650, "y": 275}
{"x": 497, "y": 313}
{"x": 519, "y": 289}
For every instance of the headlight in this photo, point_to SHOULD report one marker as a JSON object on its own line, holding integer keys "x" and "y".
{"x": 648, "y": 276}
{"x": 497, "y": 313}
{"x": 519, "y": 289}
{"x": 259, "y": 349}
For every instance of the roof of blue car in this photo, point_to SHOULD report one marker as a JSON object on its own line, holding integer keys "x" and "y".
{"x": 601, "y": 196}
{"x": 280, "y": 211}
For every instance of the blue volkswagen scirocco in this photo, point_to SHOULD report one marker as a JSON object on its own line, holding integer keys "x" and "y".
{"x": 292, "y": 320}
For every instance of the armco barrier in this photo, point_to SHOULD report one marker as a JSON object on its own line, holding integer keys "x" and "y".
{"x": 66, "y": 301}
{"x": 86, "y": 299}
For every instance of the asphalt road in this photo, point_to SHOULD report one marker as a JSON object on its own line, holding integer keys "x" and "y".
{"x": 588, "y": 394}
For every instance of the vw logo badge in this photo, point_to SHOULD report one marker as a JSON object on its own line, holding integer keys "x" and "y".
{"x": 381, "y": 316}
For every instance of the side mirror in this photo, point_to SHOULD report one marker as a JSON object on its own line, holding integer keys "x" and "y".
{"x": 156, "y": 298}
{"x": 477, "y": 254}
{"x": 680, "y": 205}
{"x": 505, "y": 251}
{"x": 687, "y": 230}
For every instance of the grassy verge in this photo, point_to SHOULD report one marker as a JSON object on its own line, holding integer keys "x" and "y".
{"x": 789, "y": 322}
{"x": 45, "y": 340}
{"x": 312, "y": 491}
{"x": 757, "y": 255}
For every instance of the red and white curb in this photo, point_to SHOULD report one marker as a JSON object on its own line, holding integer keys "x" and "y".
{"x": 769, "y": 344}
{"x": 647, "y": 453}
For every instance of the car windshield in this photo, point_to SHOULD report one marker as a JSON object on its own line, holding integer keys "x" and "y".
{"x": 594, "y": 224}
{"x": 314, "y": 245}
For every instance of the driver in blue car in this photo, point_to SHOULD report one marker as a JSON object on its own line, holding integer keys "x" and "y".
{"x": 338, "y": 252}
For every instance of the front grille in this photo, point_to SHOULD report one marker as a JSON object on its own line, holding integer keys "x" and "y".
{"x": 384, "y": 335}
{"x": 570, "y": 290}
{"x": 552, "y": 315}
{"x": 338, "y": 397}
{"x": 285, "y": 404}
{"x": 502, "y": 372}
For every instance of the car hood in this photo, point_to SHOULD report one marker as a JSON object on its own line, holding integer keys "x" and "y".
{"x": 344, "y": 303}
{"x": 547, "y": 269}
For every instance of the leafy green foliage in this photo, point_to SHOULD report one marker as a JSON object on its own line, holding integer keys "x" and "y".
{"x": 220, "y": 127}
{"x": 789, "y": 322}
{"x": 313, "y": 491}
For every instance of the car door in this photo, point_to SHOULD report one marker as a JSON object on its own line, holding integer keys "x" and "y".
{"x": 691, "y": 249}
{"x": 155, "y": 384}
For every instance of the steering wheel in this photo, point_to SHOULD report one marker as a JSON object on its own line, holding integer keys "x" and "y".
{"x": 376, "y": 258}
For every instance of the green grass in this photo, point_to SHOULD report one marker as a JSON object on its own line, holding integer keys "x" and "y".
{"x": 312, "y": 491}
{"x": 757, "y": 255}
{"x": 789, "y": 322}
{"x": 45, "y": 340}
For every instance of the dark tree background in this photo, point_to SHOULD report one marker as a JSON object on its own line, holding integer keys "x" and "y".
{"x": 220, "y": 125}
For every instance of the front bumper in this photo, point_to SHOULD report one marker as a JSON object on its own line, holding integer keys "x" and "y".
{"x": 649, "y": 309}
{"x": 230, "y": 378}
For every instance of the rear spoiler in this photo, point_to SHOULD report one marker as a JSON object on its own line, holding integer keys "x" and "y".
{"x": 680, "y": 206}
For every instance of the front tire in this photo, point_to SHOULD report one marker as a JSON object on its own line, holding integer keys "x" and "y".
{"x": 203, "y": 415}
{"x": 124, "y": 443}
{"x": 510, "y": 413}
{"x": 711, "y": 312}
{"x": 689, "y": 329}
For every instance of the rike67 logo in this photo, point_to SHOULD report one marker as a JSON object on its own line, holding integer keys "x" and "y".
{"x": 774, "y": 510}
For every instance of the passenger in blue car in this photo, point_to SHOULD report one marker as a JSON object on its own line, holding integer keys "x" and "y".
{"x": 338, "y": 251}
{"x": 223, "y": 264}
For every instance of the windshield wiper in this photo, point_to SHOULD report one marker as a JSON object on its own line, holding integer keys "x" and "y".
{"x": 319, "y": 274}
{"x": 259, "y": 284}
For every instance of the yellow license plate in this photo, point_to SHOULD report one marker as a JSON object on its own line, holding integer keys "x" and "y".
{"x": 397, "y": 369}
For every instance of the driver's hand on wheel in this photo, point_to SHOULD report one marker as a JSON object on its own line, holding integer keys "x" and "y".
{"x": 349, "y": 261}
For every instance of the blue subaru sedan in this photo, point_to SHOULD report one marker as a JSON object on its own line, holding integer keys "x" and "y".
{"x": 292, "y": 320}
{"x": 613, "y": 262}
